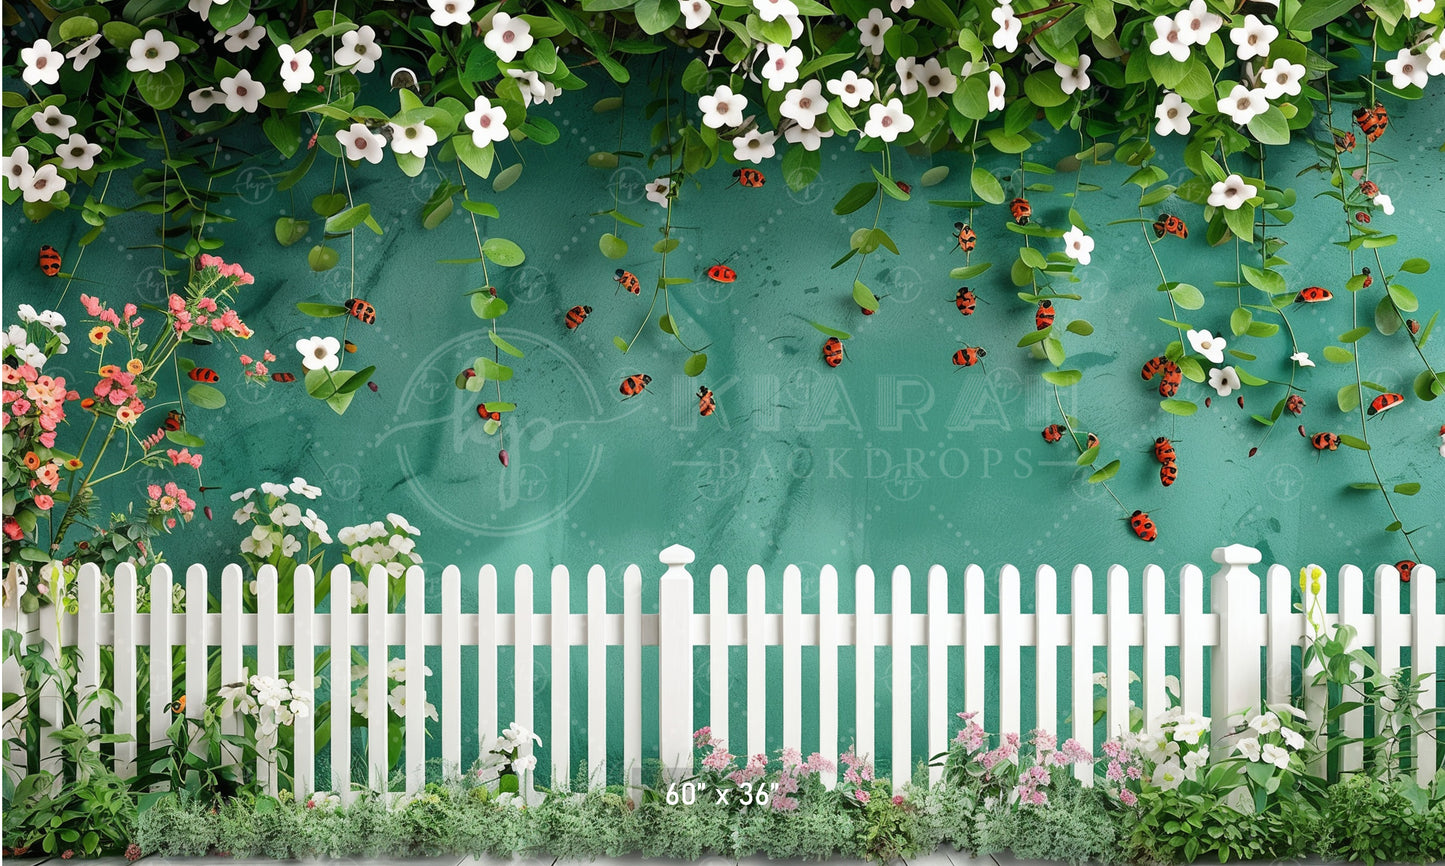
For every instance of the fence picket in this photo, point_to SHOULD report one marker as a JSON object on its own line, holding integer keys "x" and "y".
{"x": 757, "y": 689}
{"x": 1081, "y": 595}
{"x": 1426, "y": 636}
{"x": 974, "y": 641}
{"x": 1352, "y": 612}
{"x": 378, "y": 759}
{"x": 487, "y": 710}
{"x": 52, "y": 703}
{"x": 674, "y": 664}
{"x": 560, "y": 742}
{"x": 1192, "y": 621}
{"x": 340, "y": 669}
{"x": 632, "y": 680}
{"x": 1284, "y": 634}
{"x": 1156, "y": 698}
{"x": 127, "y": 638}
{"x": 303, "y": 646}
{"x": 597, "y": 716}
{"x": 1117, "y": 654}
{"x": 864, "y": 641}
{"x": 266, "y": 657}
{"x": 1010, "y": 639}
{"x": 522, "y": 653}
{"x": 1316, "y": 697}
{"x": 161, "y": 663}
{"x": 792, "y": 657}
{"x": 720, "y": 639}
{"x": 451, "y": 673}
{"x": 828, "y": 669}
{"x": 88, "y": 645}
{"x": 10, "y": 671}
{"x": 198, "y": 655}
{"x": 901, "y": 637}
{"x": 231, "y": 670}
{"x": 938, "y": 716}
{"x": 1046, "y": 658}
{"x": 416, "y": 668}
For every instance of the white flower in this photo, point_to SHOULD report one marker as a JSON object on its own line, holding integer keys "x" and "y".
{"x": 85, "y": 52}
{"x": 286, "y": 514}
{"x": 301, "y": 488}
{"x": 413, "y": 138}
{"x": 1169, "y": 775}
{"x": 202, "y": 7}
{"x": 1173, "y": 114}
{"x": 722, "y": 108}
{"x": 1231, "y": 192}
{"x": 695, "y": 13}
{"x": 487, "y": 124}
{"x": 444, "y": 12}
{"x": 361, "y": 143}
{"x": 886, "y": 121}
{"x": 16, "y": 167}
{"x": 77, "y": 153}
{"x": 1292, "y": 738}
{"x": 359, "y": 49}
{"x": 1265, "y": 723}
{"x": 270, "y": 488}
{"x": 754, "y": 147}
{"x": 1248, "y": 747}
{"x": 1383, "y": 201}
{"x": 358, "y": 593}
{"x": 516, "y": 735}
{"x": 659, "y": 190}
{"x": 1006, "y": 38}
{"x": 1243, "y": 104}
{"x": 1416, "y": 8}
{"x": 805, "y": 103}
{"x": 243, "y": 93}
{"x": 243, "y": 514}
{"x": 525, "y": 763}
{"x": 781, "y": 68}
{"x": 810, "y": 137}
{"x": 53, "y": 121}
{"x": 43, "y": 184}
{"x": 1078, "y": 246}
{"x": 42, "y": 63}
{"x": 151, "y": 52}
{"x": 319, "y": 353}
{"x": 936, "y": 78}
{"x": 771, "y": 10}
{"x": 245, "y": 34}
{"x": 1282, "y": 78}
{"x": 508, "y": 37}
{"x": 204, "y": 98}
{"x": 899, "y": 5}
{"x": 530, "y": 83}
{"x": 1189, "y": 729}
{"x": 1302, "y": 358}
{"x": 1253, "y": 38}
{"x": 854, "y": 91}
{"x": 1223, "y": 380}
{"x": 1408, "y": 68}
{"x": 872, "y": 28}
{"x": 361, "y": 701}
{"x": 295, "y": 68}
{"x": 1169, "y": 39}
{"x": 1196, "y": 24}
{"x": 1208, "y": 345}
{"x": 1196, "y": 759}
{"x": 289, "y": 545}
{"x": 402, "y": 523}
{"x": 907, "y": 69}
{"x": 1074, "y": 79}
{"x": 1272, "y": 754}
{"x": 1435, "y": 52}
{"x": 401, "y": 544}
{"x": 996, "y": 101}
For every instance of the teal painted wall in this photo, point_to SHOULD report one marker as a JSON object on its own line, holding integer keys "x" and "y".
{"x": 896, "y": 457}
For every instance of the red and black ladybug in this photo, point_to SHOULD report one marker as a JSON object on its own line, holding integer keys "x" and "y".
{"x": 1325, "y": 441}
{"x": 576, "y": 316}
{"x": 204, "y": 374}
{"x": 486, "y": 414}
{"x": 628, "y": 281}
{"x": 1169, "y": 473}
{"x": 1143, "y": 527}
{"x": 1413, "y": 325}
{"x": 1164, "y": 450}
{"x": 174, "y": 420}
{"x": 1295, "y": 404}
{"x": 1020, "y": 209}
{"x": 1313, "y": 295}
{"x": 968, "y": 356}
{"x": 633, "y": 385}
{"x": 1383, "y": 402}
{"x": 49, "y": 260}
{"x": 1053, "y": 433}
{"x": 1044, "y": 316}
{"x": 706, "y": 404}
{"x": 1344, "y": 142}
{"x": 1168, "y": 224}
{"x": 1153, "y": 367}
{"x": 721, "y": 274}
{"x": 1406, "y": 567}
{"x": 283, "y": 377}
{"x": 749, "y": 177}
{"x": 967, "y": 239}
{"x": 1372, "y": 121}
{"x": 832, "y": 351}
{"x": 966, "y": 301}
{"x": 1173, "y": 377}
{"x": 1369, "y": 189}
{"x": 1369, "y": 280}
{"x": 363, "y": 311}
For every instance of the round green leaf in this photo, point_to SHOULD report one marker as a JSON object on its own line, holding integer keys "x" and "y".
{"x": 506, "y": 177}
{"x": 612, "y": 246}
{"x": 203, "y": 396}
{"x": 322, "y": 258}
{"x": 161, "y": 89}
{"x": 986, "y": 186}
{"x": 500, "y": 251}
{"x": 695, "y": 365}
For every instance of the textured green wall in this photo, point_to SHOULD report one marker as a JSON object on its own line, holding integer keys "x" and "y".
{"x": 896, "y": 457}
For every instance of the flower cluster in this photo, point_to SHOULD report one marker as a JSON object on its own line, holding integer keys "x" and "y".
{"x": 170, "y": 502}
{"x": 501, "y": 755}
{"x": 789, "y": 779}
{"x": 255, "y": 369}
{"x": 199, "y": 315}
{"x": 390, "y": 544}
{"x": 859, "y": 772}
{"x": 1165, "y": 756}
{"x": 1270, "y": 739}
{"x": 274, "y": 533}
{"x": 274, "y": 703}
{"x": 396, "y": 674}
{"x": 1014, "y": 771}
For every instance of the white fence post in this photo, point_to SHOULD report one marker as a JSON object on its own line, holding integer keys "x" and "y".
{"x": 1235, "y": 673}
{"x": 674, "y": 662}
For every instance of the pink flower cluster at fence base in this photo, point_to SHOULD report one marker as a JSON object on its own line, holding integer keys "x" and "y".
{"x": 788, "y": 781}
{"x": 170, "y": 501}
{"x": 1013, "y": 771}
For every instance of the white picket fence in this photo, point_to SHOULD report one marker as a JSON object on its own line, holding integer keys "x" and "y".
{"x": 1235, "y": 628}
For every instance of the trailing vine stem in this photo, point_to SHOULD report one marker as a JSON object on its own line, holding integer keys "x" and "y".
{"x": 487, "y": 282}
{"x": 1339, "y": 172}
{"x": 1289, "y": 329}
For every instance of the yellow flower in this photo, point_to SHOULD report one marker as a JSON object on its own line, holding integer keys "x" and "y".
{"x": 1309, "y": 579}
{"x": 100, "y": 335}
{"x": 135, "y": 366}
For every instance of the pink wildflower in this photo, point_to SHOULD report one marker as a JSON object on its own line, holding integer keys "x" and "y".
{"x": 245, "y": 360}
{"x": 862, "y": 796}
{"x": 208, "y": 261}
{"x": 1127, "y": 797}
{"x": 1134, "y": 772}
{"x": 718, "y": 760}
{"x": 44, "y": 502}
{"x": 93, "y": 306}
{"x": 898, "y": 799}
{"x": 268, "y": 358}
{"x": 176, "y": 303}
{"x": 13, "y": 530}
{"x": 153, "y": 491}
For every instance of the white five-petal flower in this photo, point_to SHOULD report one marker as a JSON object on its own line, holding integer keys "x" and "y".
{"x": 204, "y": 98}
{"x": 1302, "y": 358}
{"x": 659, "y": 191}
{"x": 444, "y": 12}
{"x": 755, "y": 146}
{"x": 361, "y": 143}
{"x": 77, "y": 153}
{"x": 1408, "y": 68}
{"x": 1078, "y": 246}
{"x": 1169, "y": 39}
{"x": 86, "y": 51}
{"x": 1208, "y": 345}
{"x": 296, "y": 68}
{"x": 151, "y": 52}
{"x": 1243, "y": 104}
{"x": 243, "y": 92}
{"x": 1231, "y": 193}
{"x": 1074, "y": 78}
{"x": 1224, "y": 380}
{"x": 1281, "y": 78}
{"x": 412, "y": 138}
{"x": 508, "y": 37}
{"x": 1006, "y": 38}
{"x": 52, "y": 120}
{"x": 996, "y": 101}
{"x": 695, "y": 13}
{"x": 43, "y": 184}
{"x": 42, "y": 63}
{"x": 722, "y": 108}
{"x": 936, "y": 78}
{"x": 805, "y": 103}
{"x": 244, "y": 34}
{"x": 872, "y": 28}
{"x": 810, "y": 137}
{"x": 1196, "y": 23}
{"x": 854, "y": 91}
{"x": 1253, "y": 38}
{"x": 907, "y": 69}
{"x": 1173, "y": 115}
{"x": 359, "y": 49}
{"x": 319, "y": 353}
{"x": 886, "y": 121}
{"x": 1435, "y": 53}
{"x": 781, "y": 67}
{"x": 16, "y": 167}
{"x": 772, "y": 10}
{"x": 487, "y": 123}
{"x": 1416, "y": 8}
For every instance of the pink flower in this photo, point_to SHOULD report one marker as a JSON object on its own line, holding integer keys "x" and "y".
{"x": 48, "y": 439}
{"x": 176, "y": 303}
{"x": 13, "y": 530}
{"x": 44, "y": 502}
{"x": 862, "y": 796}
{"x": 1134, "y": 772}
{"x": 130, "y": 310}
{"x": 268, "y": 357}
{"x": 718, "y": 760}
{"x": 207, "y": 304}
{"x": 898, "y": 799}
{"x": 261, "y": 369}
{"x": 245, "y": 360}
{"x": 21, "y": 406}
{"x": 211, "y": 261}
{"x": 1127, "y": 797}
{"x": 93, "y": 306}
{"x": 49, "y": 475}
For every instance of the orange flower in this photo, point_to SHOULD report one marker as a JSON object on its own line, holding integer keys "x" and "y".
{"x": 135, "y": 366}
{"x": 179, "y": 706}
{"x": 100, "y": 335}
{"x": 74, "y": 463}
{"x": 88, "y": 403}
{"x": 108, "y": 370}
{"x": 32, "y": 461}
{"x": 125, "y": 415}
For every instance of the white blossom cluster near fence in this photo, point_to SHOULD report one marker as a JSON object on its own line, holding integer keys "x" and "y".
{"x": 1251, "y": 660}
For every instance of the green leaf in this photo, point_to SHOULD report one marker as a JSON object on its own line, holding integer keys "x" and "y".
{"x": 1240, "y": 221}
{"x": 695, "y": 365}
{"x": 934, "y": 176}
{"x": 488, "y": 307}
{"x": 666, "y": 245}
{"x": 1366, "y": 485}
{"x": 1178, "y": 407}
{"x": 1032, "y": 258}
{"x": 321, "y": 311}
{"x": 1415, "y": 266}
{"x": 1270, "y": 128}
{"x": 969, "y": 271}
{"x": 184, "y": 439}
{"x": 1409, "y": 488}
{"x": 1427, "y": 386}
{"x": 504, "y": 345}
{"x": 1387, "y": 320}
{"x": 800, "y": 167}
{"x": 1354, "y": 334}
{"x": 1082, "y": 327}
{"x": 612, "y": 246}
{"x": 655, "y": 16}
{"x": 665, "y": 323}
{"x": 606, "y": 104}
{"x": 864, "y": 297}
{"x": 1109, "y": 471}
{"x": 163, "y": 89}
{"x": 620, "y": 343}
{"x": 1187, "y": 296}
{"x": 322, "y": 258}
{"x": 203, "y": 396}
{"x": 603, "y": 159}
{"x": 986, "y": 186}
{"x": 1265, "y": 281}
{"x": 348, "y": 219}
{"x": 434, "y": 213}
{"x": 494, "y": 371}
{"x": 354, "y": 381}
{"x": 1348, "y": 397}
{"x": 1338, "y": 355}
{"x": 1354, "y": 442}
{"x": 500, "y": 251}
{"x": 327, "y": 204}
{"x": 506, "y": 177}
{"x": 888, "y": 186}
{"x": 855, "y": 198}
{"x": 1314, "y": 14}
{"x": 1403, "y": 298}
{"x": 1062, "y": 378}
{"x": 1239, "y": 321}
{"x": 1088, "y": 456}
{"x": 832, "y": 332}
{"x": 290, "y": 230}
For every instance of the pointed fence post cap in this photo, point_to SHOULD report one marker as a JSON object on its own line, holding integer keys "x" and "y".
{"x": 1236, "y": 554}
{"x": 676, "y": 556}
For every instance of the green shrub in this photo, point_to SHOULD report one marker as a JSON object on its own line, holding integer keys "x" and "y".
{"x": 1075, "y": 826}
{"x": 683, "y": 832}
{"x": 172, "y": 828}
{"x": 946, "y": 815}
{"x": 820, "y": 827}
{"x": 586, "y": 826}
{"x": 1368, "y": 819}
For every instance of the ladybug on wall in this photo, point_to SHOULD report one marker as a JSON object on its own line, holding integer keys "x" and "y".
{"x": 1406, "y": 567}
{"x": 1313, "y": 295}
{"x": 967, "y": 239}
{"x": 633, "y": 385}
{"x": 628, "y": 281}
{"x": 1164, "y": 450}
{"x": 1143, "y": 526}
{"x": 174, "y": 420}
{"x": 1020, "y": 209}
{"x": 832, "y": 351}
{"x": 966, "y": 301}
{"x": 706, "y": 404}
{"x": 363, "y": 311}
{"x": 749, "y": 177}
{"x": 49, "y": 261}
{"x": 1384, "y": 402}
{"x": 204, "y": 374}
{"x": 1295, "y": 404}
{"x": 721, "y": 273}
{"x": 968, "y": 356}
{"x": 1053, "y": 433}
{"x": 1044, "y": 316}
{"x": 1168, "y": 224}
{"x": 576, "y": 316}
{"x": 283, "y": 377}
{"x": 1372, "y": 121}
